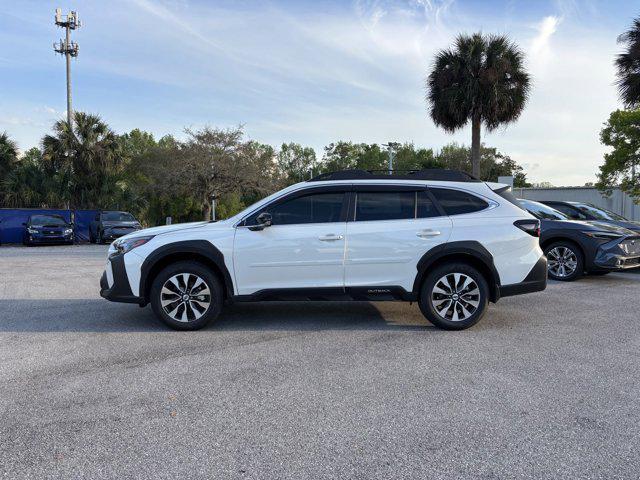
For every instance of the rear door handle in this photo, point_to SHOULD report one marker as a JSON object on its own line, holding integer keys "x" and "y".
{"x": 332, "y": 237}
{"x": 428, "y": 233}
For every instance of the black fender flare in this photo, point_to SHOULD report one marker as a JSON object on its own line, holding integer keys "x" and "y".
{"x": 184, "y": 250}
{"x": 472, "y": 249}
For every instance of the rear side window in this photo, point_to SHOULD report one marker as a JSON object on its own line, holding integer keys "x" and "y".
{"x": 385, "y": 206}
{"x": 426, "y": 208}
{"x": 457, "y": 202}
{"x": 569, "y": 211}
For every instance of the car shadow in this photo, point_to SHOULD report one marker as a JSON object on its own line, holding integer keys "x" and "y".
{"x": 98, "y": 315}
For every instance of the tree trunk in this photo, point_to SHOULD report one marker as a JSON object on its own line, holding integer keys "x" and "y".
{"x": 206, "y": 208}
{"x": 475, "y": 146}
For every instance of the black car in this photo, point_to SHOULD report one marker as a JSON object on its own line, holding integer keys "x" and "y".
{"x": 109, "y": 225}
{"x": 588, "y": 211}
{"x": 47, "y": 229}
{"x": 573, "y": 247}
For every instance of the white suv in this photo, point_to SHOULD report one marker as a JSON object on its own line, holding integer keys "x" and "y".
{"x": 437, "y": 237}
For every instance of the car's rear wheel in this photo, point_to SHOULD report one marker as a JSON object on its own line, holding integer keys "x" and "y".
{"x": 565, "y": 261}
{"x": 186, "y": 295}
{"x": 454, "y": 296}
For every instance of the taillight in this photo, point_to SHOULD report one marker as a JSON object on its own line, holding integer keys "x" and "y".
{"x": 532, "y": 227}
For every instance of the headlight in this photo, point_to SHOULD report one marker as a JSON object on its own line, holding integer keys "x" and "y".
{"x": 125, "y": 245}
{"x": 31, "y": 230}
{"x": 603, "y": 235}
{"x": 68, "y": 231}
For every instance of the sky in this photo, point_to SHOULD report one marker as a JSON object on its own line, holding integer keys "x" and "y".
{"x": 313, "y": 71}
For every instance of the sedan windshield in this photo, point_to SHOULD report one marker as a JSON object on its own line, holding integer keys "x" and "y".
{"x": 117, "y": 217}
{"x": 41, "y": 220}
{"x": 598, "y": 213}
{"x": 543, "y": 212}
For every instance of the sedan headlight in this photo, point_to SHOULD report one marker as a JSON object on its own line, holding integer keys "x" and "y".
{"x": 31, "y": 230}
{"x": 68, "y": 231}
{"x": 125, "y": 245}
{"x": 603, "y": 235}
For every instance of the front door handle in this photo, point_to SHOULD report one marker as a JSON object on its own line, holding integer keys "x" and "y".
{"x": 428, "y": 233}
{"x": 332, "y": 237}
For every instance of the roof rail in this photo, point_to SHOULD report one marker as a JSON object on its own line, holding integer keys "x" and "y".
{"x": 424, "y": 174}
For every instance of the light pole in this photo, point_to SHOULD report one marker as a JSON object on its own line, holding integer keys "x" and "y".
{"x": 391, "y": 147}
{"x": 69, "y": 49}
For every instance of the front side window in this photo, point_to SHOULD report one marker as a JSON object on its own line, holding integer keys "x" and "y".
{"x": 569, "y": 211}
{"x": 385, "y": 206}
{"x": 312, "y": 208}
{"x": 457, "y": 202}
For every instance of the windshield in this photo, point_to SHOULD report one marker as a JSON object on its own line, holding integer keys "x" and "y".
{"x": 598, "y": 213}
{"x": 48, "y": 220}
{"x": 542, "y": 212}
{"x": 117, "y": 217}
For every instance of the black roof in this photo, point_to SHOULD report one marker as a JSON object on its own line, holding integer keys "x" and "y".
{"x": 425, "y": 174}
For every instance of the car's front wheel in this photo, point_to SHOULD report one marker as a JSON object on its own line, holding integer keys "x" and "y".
{"x": 454, "y": 296}
{"x": 186, "y": 295}
{"x": 565, "y": 261}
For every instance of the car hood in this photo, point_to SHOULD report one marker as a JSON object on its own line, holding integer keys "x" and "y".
{"x": 593, "y": 226}
{"x": 164, "y": 229}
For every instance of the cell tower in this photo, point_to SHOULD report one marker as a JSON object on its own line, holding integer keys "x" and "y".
{"x": 69, "y": 49}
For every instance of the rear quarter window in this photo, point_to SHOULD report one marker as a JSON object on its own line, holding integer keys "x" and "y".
{"x": 457, "y": 202}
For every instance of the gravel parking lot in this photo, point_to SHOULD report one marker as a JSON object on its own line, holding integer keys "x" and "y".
{"x": 546, "y": 386}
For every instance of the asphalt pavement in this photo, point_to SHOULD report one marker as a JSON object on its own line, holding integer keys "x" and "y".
{"x": 545, "y": 386}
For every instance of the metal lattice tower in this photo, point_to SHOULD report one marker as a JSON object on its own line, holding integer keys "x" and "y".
{"x": 69, "y": 49}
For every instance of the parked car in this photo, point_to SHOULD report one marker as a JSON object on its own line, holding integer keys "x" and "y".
{"x": 436, "y": 237}
{"x": 574, "y": 247}
{"x": 47, "y": 229}
{"x": 109, "y": 225}
{"x": 588, "y": 211}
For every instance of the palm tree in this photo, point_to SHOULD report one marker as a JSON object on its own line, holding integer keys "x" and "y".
{"x": 481, "y": 79}
{"x": 88, "y": 156}
{"x": 8, "y": 154}
{"x": 628, "y": 65}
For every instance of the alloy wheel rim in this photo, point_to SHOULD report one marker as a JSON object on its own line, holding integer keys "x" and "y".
{"x": 562, "y": 262}
{"x": 185, "y": 297}
{"x": 455, "y": 297}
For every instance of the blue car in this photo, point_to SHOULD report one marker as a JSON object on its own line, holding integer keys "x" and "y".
{"x": 47, "y": 229}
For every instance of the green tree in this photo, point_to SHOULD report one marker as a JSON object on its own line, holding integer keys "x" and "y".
{"x": 295, "y": 162}
{"x": 622, "y": 133}
{"x": 89, "y": 156}
{"x": 482, "y": 80}
{"x": 628, "y": 66}
{"x": 349, "y": 156}
{"x": 8, "y": 154}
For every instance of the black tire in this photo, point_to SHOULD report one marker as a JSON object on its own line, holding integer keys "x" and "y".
{"x": 92, "y": 239}
{"x": 457, "y": 305}
{"x": 192, "y": 269}
{"x": 574, "y": 250}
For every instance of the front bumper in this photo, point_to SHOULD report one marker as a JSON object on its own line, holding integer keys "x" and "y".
{"x": 119, "y": 291}
{"x": 535, "y": 281}
{"x": 117, "y": 233}
{"x": 615, "y": 256}
{"x": 50, "y": 238}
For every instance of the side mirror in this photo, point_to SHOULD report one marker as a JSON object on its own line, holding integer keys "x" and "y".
{"x": 264, "y": 220}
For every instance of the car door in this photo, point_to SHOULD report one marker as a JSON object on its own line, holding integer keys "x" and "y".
{"x": 302, "y": 249}
{"x": 390, "y": 230}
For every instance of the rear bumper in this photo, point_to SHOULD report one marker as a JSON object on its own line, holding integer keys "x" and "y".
{"x": 120, "y": 291}
{"x": 535, "y": 281}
